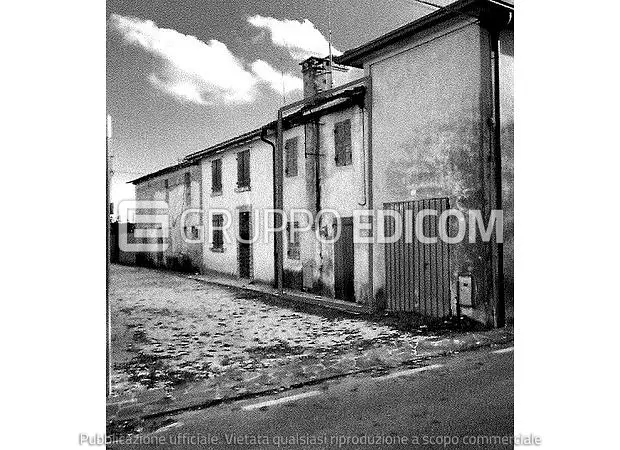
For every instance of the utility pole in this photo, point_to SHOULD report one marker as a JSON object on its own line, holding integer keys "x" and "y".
{"x": 108, "y": 135}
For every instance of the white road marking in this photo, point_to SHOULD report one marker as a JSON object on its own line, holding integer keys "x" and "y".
{"x": 169, "y": 427}
{"x": 277, "y": 401}
{"x": 504, "y": 350}
{"x": 404, "y": 373}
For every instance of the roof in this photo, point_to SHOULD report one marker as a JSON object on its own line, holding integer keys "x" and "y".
{"x": 163, "y": 171}
{"x": 347, "y": 94}
{"x": 237, "y": 140}
{"x": 337, "y": 93}
{"x": 356, "y": 56}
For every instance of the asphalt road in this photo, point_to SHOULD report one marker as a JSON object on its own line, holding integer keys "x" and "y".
{"x": 462, "y": 401}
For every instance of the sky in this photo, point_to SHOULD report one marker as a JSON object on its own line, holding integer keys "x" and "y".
{"x": 184, "y": 75}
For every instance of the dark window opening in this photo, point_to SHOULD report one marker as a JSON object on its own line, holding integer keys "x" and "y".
{"x": 216, "y": 176}
{"x": 243, "y": 169}
{"x": 188, "y": 189}
{"x": 291, "y": 157}
{"x": 218, "y": 232}
{"x": 294, "y": 244}
{"x": 342, "y": 140}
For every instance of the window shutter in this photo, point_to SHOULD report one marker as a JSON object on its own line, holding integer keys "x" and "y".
{"x": 218, "y": 233}
{"x": 239, "y": 169}
{"x": 337, "y": 144}
{"x": 291, "y": 157}
{"x": 188, "y": 189}
{"x": 216, "y": 175}
{"x": 243, "y": 168}
{"x": 342, "y": 142}
{"x": 347, "y": 141}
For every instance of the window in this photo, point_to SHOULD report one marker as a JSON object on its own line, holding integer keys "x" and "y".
{"x": 243, "y": 169}
{"x": 188, "y": 189}
{"x": 293, "y": 240}
{"x": 218, "y": 232}
{"x": 167, "y": 190}
{"x": 216, "y": 176}
{"x": 291, "y": 157}
{"x": 342, "y": 138}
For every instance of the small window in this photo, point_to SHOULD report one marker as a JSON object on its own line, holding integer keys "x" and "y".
{"x": 342, "y": 139}
{"x": 291, "y": 157}
{"x": 243, "y": 169}
{"x": 216, "y": 176}
{"x": 293, "y": 240}
{"x": 188, "y": 189}
{"x": 218, "y": 232}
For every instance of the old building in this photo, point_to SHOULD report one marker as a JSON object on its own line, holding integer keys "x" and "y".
{"x": 427, "y": 124}
{"x": 181, "y": 187}
{"x": 441, "y": 121}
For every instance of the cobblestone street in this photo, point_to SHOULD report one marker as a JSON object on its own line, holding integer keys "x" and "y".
{"x": 168, "y": 330}
{"x": 180, "y": 343}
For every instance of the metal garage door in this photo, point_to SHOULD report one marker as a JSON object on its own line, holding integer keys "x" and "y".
{"x": 417, "y": 274}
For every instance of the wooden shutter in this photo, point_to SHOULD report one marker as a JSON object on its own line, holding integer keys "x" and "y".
{"x": 293, "y": 247}
{"x": 291, "y": 156}
{"x": 342, "y": 140}
{"x": 218, "y": 233}
{"x": 188, "y": 189}
{"x": 243, "y": 168}
{"x": 216, "y": 175}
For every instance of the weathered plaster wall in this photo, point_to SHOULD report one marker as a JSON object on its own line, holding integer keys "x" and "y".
{"x": 341, "y": 188}
{"x": 506, "y": 62}
{"x": 179, "y": 255}
{"x": 428, "y": 140}
{"x": 258, "y": 198}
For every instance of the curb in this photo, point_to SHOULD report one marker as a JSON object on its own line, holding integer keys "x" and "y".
{"x": 339, "y": 305}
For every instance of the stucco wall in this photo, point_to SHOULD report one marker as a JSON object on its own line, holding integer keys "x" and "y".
{"x": 429, "y": 139}
{"x": 342, "y": 189}
{"x": 180, "y": 255}
{"x": 258, "y": 198}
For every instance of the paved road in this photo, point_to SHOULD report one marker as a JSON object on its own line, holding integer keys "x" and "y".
{"x": 470, "y": 394}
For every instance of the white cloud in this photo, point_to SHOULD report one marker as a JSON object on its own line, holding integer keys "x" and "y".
{"x": 278, "y": 82}
{"x": 301, "y": 39}
{"x": 192, "y": 70}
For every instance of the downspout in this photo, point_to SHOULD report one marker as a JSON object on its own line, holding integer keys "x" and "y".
{"x": 363, "y": 158}
{"x": 500, "y": 311}
{"x": 317, "y": 165}
{"x": 500, "y": 308}
{"x": 277, "y": 246}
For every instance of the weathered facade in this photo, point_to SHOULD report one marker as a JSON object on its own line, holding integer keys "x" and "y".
{"x": 437, "y": 134}
{"x": 428, "y": 125}
{"x": 181, "y": 187}
{"x": 245, "y": 202}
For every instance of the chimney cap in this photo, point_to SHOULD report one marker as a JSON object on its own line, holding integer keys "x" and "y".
{"x": 314, "y": 60}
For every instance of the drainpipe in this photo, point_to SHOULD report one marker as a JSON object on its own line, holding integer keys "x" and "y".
{"x": 277, "y": 247}
{"x": 494, "y": 30}
{"x": 317, "y": 165}
{"x": 500, "y": 309}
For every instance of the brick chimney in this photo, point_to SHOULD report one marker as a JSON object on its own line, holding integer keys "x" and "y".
{"x": 317, "y": 76}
